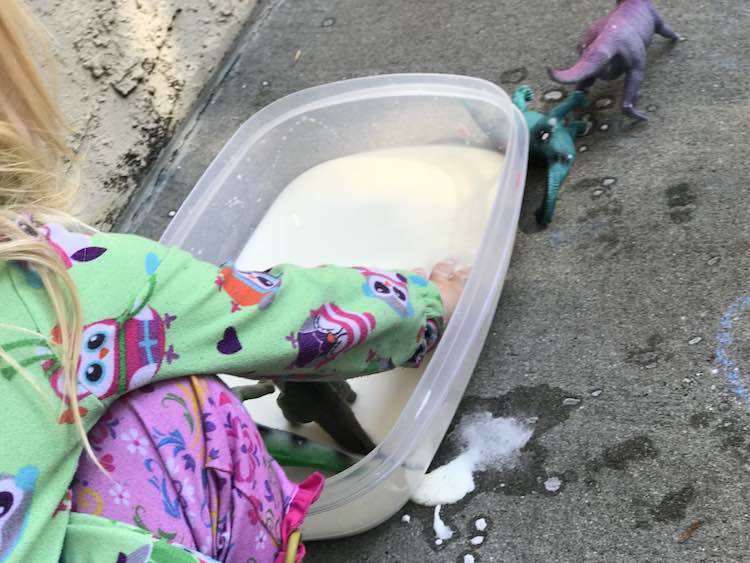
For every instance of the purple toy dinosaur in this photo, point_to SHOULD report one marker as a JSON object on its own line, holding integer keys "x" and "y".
{"x": 616, "y": 44}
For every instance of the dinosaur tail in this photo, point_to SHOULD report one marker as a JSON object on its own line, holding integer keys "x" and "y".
{"x": 591, "y": 62}
{"x": 555, "y": 177}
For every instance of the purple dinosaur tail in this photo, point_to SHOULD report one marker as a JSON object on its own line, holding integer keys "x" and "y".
{"x": 590, "y": 63}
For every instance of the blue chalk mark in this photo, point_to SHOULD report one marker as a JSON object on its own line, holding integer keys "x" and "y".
{"x": 724, "y": 339}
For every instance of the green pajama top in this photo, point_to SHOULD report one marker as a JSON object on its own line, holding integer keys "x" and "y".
{"x": 152, "y": 313}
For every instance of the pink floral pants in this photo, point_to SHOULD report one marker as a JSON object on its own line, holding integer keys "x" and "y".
{"x": 187, "y": 464}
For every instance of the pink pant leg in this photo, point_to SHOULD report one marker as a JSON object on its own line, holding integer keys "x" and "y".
{"x": 187, "y": 463}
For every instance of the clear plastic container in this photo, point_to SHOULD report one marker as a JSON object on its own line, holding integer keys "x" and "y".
{"x": 312, "y": 126}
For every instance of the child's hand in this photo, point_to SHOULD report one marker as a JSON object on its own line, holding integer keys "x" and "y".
{"x": 450, "y": 281}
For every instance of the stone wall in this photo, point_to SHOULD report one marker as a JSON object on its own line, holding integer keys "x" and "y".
{"x": 130, "y": 71}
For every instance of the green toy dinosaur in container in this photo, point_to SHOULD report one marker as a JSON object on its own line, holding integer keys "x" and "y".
{"x": 552, "y": 140}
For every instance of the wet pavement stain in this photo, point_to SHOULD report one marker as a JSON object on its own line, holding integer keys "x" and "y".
{"x": 652, "y": 353}
{"x": 544, "y": 403}
{"x": 641, "y": 513}
{"x": 701, "y": 419}
{"x": 732, "y": 431}
{"x": 606, "y": 209}
{"x": 604, "y": 204}
{"x": 618, "y": 457}
{"x": 681, "y": 202}
{"x": 673, "y": 506}
{"x": 548, "y": 407}
{"x": 585, "y": 184}
{"x": 514, "y": 75}
{"x": 608, "y": 245}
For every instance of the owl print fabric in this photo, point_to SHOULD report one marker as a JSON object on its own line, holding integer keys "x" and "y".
{"x": 16, "y": 493}
{"x": 149, "y": 314}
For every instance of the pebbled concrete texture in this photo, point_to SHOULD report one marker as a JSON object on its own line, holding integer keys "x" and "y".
{"x": 131, "y": 70}
{"x": 622, "y": 303}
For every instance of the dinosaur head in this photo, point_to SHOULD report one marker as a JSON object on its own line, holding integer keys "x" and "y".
{"x": 550, "y": 138}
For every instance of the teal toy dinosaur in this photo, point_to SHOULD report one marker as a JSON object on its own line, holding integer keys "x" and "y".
{"x": 551, "y": 139}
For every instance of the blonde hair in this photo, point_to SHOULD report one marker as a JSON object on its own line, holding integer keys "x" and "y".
{"x": 32, "y": 189}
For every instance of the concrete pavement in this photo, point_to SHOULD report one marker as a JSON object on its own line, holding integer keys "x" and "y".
{"x": 618, "y": 303}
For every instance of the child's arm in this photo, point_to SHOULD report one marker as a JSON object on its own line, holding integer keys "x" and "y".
{"x": 190, "y": 317}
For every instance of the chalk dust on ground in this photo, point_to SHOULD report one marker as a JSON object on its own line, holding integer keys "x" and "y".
{"x": 129, "y": 73}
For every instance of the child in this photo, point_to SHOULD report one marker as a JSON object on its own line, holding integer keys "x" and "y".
{"x": 174, "y": 470}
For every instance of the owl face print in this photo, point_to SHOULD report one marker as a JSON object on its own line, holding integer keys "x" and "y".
{"x": 328, "y": 332}
{"x": 71, "y": 247}
{"x": 116, "y": 356}
{"x": 16, "y": 492}
{"x": 390, "y": 287}
{"x": 97, "y": 367}
{"x": 248, "y": 288}
{"x": 426, "y": 340}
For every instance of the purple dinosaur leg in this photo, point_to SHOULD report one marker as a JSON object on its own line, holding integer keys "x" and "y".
{"x": 665, "y": 31}
{"x": 633, "y": 79}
